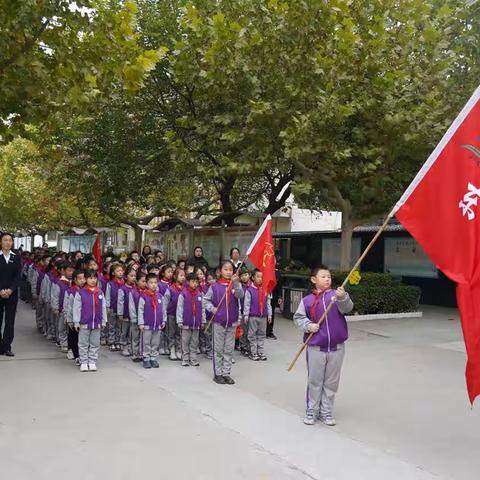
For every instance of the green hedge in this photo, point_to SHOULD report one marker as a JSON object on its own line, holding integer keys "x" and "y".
{"x": 394, "y": 298}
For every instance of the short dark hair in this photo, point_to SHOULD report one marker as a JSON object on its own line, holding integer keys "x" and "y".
{"x": 315, "y": 270}
{"x": 78, "y": 272}
{"x": 192, "y": 276}
{"x": 91, "y": 274}
{"x": 233, "y": 249}
{"x": 151, "y": 276}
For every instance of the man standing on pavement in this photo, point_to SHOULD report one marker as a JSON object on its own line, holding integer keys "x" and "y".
{"x": 10, "y": 273}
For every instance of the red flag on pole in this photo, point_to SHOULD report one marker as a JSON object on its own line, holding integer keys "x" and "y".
{"x": 97, "y": 252}
{"x": 441, "y": 210}
{"x": 262, "y": 254}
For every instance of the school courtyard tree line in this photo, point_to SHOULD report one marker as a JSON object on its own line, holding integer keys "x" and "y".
{"x": 124, "y": 111}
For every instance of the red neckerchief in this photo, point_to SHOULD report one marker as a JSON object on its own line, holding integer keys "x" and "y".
{"x": 194, "y": 294}
{"x": 66, "y": 281}
{"x": 55, "y": 273}
{"x": 261, "y": 297}
{"x": 153, "y": 298}
{"x": 177, "y": 286}
{"x": 94, "y": 291}
{"x": 318, "y": 295}
{"x": 140, "y": 290}
{"x": 224, "y": 281}
{"x": 119, "y": 281}
{"x": 106, "y": 276}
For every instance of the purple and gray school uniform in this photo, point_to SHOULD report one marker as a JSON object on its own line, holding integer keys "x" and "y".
{"x": 57, "y": 295}
{"x": 134, "y": 297}
{"x": 173, "y": 332}
{"x": 153, "y": 319}
{"x": 225, "y": 322}
{"x": 325, "y": 351}
{"x": 190, "y": 318}
{"x": 114, "y": 327}
{"x": 257, "y": 319}
{"x": 90, "y": 317}
{"x": 123, "y": 311}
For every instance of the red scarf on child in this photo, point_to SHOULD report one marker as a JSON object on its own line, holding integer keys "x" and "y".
{"x": 318, "y": 295}
{"x": 94, "y": 291}
{"x": 228, "y": 283}
{"x": 194, "y": 294}
{"x": 177, "y": 286}
{"x": 119, "y": 281}
{"x": 261, "y": 298}
{"x": 153, "y": 298}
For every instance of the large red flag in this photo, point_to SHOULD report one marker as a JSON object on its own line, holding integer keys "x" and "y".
{"x": 97, "y": 252}
{"x": 440, "y": 209}
{"x": 261, "y": 253}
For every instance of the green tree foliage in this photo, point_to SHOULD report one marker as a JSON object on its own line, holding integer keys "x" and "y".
{"x": 64, "y": 55}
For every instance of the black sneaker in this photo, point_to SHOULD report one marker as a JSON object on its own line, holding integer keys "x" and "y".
{"x": 219, "y": 379}
{"x": 272, "y": 336}
{"x": 228, "y": 380}
{"x": 9, "y": 353}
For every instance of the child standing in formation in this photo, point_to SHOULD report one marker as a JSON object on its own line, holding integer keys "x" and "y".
{"x": 123, "y": 310}
{"x": 326, "y": 348}
{"x": 166, "y": 275}
{"x": 111, "y": 295}
{"x": 135, "y": 294}
{"x": 72, "y": 334}
{"x": 171, "y": 299}
{"x": 57, "y": 295}
{"x": 151, "y": 317}
{"x": 222, "y": 301}
{"x": 89, "y": 315}
{"x": 257, "y": 312}
{"x": 190, "y": 319}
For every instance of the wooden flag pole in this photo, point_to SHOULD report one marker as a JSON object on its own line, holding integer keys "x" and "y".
{"x": 224, "y": 295}
{"x": 330, "y": 305}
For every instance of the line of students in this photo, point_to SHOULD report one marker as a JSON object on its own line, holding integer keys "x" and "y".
{"x": 145, "y": 311}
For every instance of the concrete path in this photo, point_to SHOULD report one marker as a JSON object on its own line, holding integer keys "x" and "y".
{"x": 402, "y": 412}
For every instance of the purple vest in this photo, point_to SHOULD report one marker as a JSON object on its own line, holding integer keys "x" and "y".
{"x": 126, "y": 300}
{"x": 255, "y": 303}
{"x": 242, "y": 300}
{"x": 91, "y": 314}
{"x": 226, "y": 315}
{"x": 333, "y": 330}
{"x": 114, "y": 286}
{"x": 102, "y": 282}
{"x": 172, "y": 303}
{"x": 190, "y": 320}
{"x": 136, "y": 294}
{"x": 41, "y": 274}
{"x": 153, "y": 318}
{"x": 64, "y": 287}
{"x": 163, "y": 286}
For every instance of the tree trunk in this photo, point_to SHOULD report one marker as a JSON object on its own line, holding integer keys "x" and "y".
{"x": 138, "y": 238}
{"x": 346, "y": 239}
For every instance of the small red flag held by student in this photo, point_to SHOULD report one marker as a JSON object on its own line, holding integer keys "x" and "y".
{"x": 441, "y": 211}
{"x": 97, "y": 252}
{"x": 262, "y": 254}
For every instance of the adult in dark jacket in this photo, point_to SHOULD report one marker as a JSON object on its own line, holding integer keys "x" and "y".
{"x": 198, "y": 260}
{"x": 10, "y": 274}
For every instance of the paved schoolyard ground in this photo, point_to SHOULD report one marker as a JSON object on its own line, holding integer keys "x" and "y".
{"x": 402, "y": 412}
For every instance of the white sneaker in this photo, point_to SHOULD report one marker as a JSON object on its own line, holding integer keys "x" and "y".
{"x": 309, "y": 419}
{"x": 112, "y": 348}
{"x": 328, "y": 421}
{"x": 125, "y": 352}
{"x": 172, "y": 354}
{"x": 92, "y": 367}
{"x": 84, "y": 367}
{"x": 65, "y": 349}
{"x": 161, "y": 351}
{"x": 179, "y": 355}
{"x": 70, "y": 355}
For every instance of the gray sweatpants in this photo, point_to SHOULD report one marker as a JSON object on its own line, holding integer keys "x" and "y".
{"x": 244, "y": 340}
{"x": 223, "y": 346}
{"x": 151, "y": 342}
{"x": 323, "y": 379}
{"x": 39, "y": 316}
{"x": 124, "y": 330}
{"x": 49, "y": 321}
{"x": 113, "y": 329}
{"x": 62, "y": 330}
{"x": 173, "y": 333}
{"x": 257, "y": 331}
{"x": 135, "y": 340}
{"x": 88, "y": 344}
{"x": 189, "y": 344}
